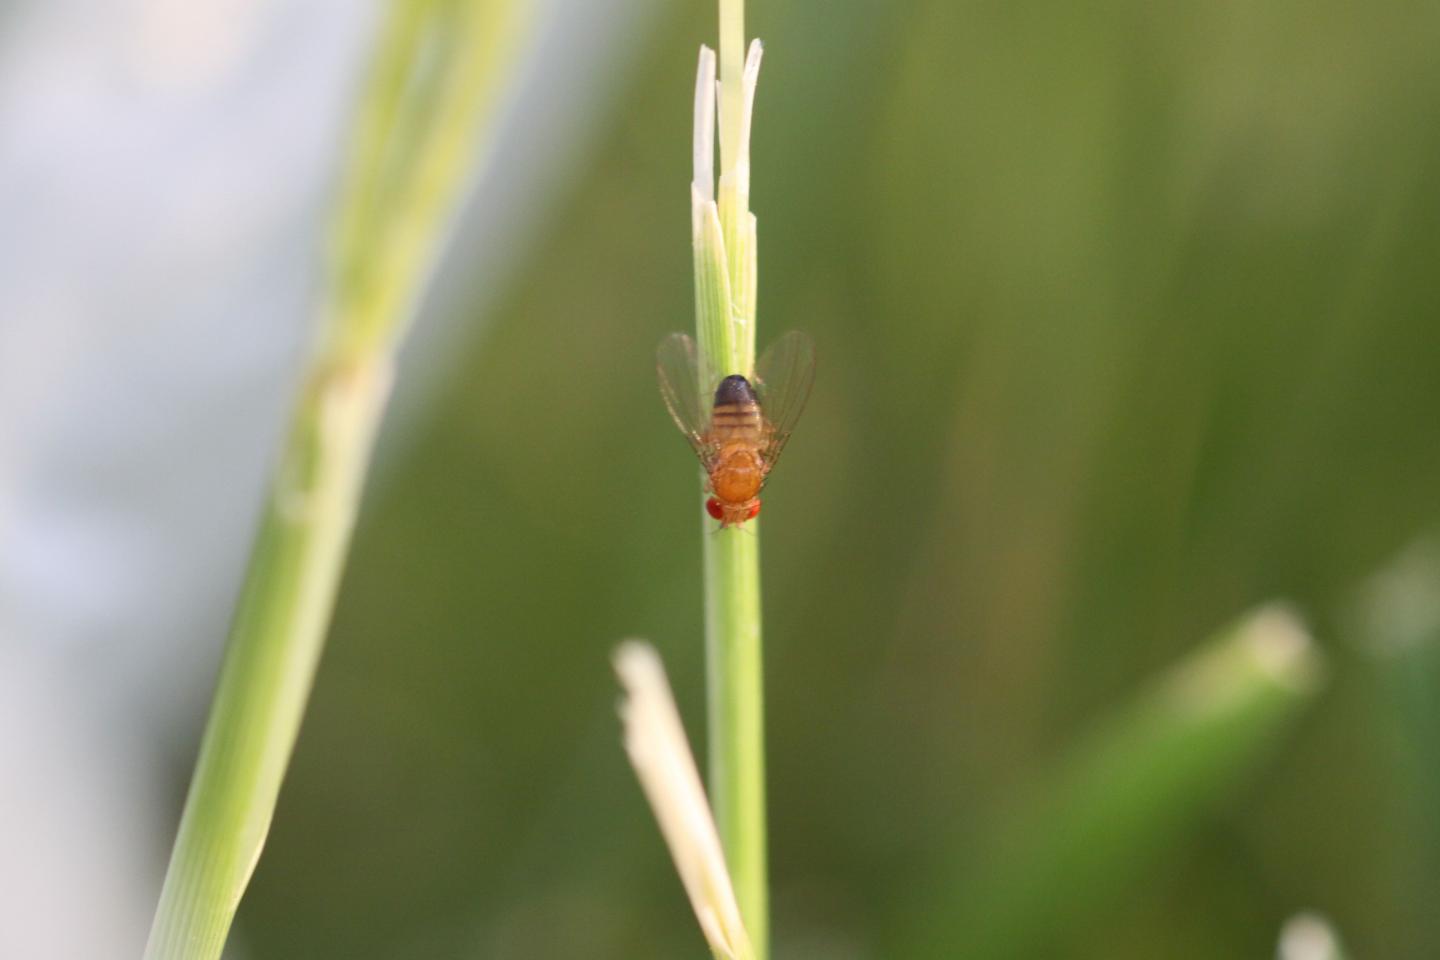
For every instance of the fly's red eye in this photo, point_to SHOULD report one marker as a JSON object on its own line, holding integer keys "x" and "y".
{"x": 754, "y": 511}
{"x": 712, "y": 507}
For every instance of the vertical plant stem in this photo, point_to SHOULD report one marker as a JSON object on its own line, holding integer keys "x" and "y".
{"x": 434, "y": 83}
{"x": 735, "y": 679}
{"x": 725, "y": 271}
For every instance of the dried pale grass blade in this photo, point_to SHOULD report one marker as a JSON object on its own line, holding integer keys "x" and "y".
{"x": 1309, "y": 936}
{"x": 655, "y": 741}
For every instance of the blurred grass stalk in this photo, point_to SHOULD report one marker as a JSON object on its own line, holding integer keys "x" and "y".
{"x": 434, "y": 85}
{"x": 723, "y": 234}
{"x": 1395, "y": 622}
{"x": 1128, "y": 793}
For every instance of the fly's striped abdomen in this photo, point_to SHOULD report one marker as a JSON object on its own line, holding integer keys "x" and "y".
{"x": 736, "y": 414}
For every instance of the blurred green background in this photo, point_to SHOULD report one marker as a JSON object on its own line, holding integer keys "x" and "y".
{"x": 1127, "y": 323}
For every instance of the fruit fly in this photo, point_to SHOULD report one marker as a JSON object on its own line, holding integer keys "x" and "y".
{"x": 736, "y": 426}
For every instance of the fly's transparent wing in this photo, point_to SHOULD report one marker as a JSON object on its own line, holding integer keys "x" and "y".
{"x": 678, "y": 368}
{"x": 783, "y": 377}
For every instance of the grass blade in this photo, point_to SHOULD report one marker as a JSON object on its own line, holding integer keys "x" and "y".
{"x": 1129, "y": 791}
{"x": 414, "y": 145}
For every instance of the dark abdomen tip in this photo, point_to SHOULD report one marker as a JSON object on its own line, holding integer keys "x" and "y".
{"x": 734, "y": 389}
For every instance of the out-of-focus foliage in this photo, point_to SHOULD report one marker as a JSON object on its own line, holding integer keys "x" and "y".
{"x": 1126, "y": 318}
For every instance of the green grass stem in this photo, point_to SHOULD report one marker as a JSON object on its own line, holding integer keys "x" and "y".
{"x": 725, "y": 271}
{"x": 736, "y": 697}
{"x": 270, "y": 662}
{"x": 435, "y": 80}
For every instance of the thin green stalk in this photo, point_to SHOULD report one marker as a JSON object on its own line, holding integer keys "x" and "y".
{"x": 725, "y": 271}
{"x": 413, "y": 146}
{"x": 736, "y": 696}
